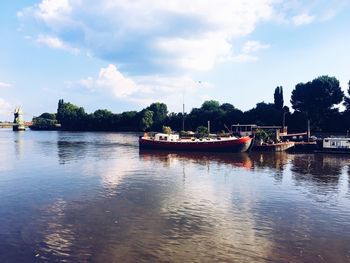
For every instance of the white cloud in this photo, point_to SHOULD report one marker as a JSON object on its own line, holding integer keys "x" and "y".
{"x": 5, "y": 85}
{"x": 154, "y": 33}
{"x": 254, "y": 46}
{"x": 5, "y": 107}
{"x": 144, "y": 90}
{"x": 111, "y": 80}
{"x": 56, "y": 43}
{"x": 303, "y": 19}
{"x": 49, "y": 10}
{"x": 195, "y": 54}
{"x": 244, "y": 58}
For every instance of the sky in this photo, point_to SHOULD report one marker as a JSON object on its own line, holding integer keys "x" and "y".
{"x": 123, "y": 55}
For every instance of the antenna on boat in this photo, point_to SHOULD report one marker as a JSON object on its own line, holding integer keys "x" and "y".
{"x": 183, "y": 110}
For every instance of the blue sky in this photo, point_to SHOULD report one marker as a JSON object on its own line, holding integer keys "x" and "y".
{"x": 123, "y": 55}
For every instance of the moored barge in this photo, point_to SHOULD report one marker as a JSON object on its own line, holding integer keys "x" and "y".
{"x": 173, "y": 142}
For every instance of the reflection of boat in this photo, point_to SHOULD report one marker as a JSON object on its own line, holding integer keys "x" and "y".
{"x": 173, "y": 142}
{"x": 237, "y": 160}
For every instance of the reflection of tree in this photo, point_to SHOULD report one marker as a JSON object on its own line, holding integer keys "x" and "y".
{"x": 274, "y": 161}
{"x": 319, "y": 168}
{"x": 71, "y": 150}
{"x": 74, "y": 146}
{"x": 349, "y": 180}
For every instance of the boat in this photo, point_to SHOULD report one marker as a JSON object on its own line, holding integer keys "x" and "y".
{"x": 173, "y": 142}
{"x": 260, "y": 144}
{"x": 273, "y": 147}
{"x": 335, "y": 145}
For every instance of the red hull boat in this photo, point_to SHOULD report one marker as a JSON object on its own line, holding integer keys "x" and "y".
{"x": 174, "y": 143}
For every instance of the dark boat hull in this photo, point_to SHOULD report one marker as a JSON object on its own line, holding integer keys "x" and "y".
{"x": 277, "y": 147}
{"x": 236, "y": 145}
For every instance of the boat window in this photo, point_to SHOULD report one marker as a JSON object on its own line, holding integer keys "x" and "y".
{"x": 326, "y": 140}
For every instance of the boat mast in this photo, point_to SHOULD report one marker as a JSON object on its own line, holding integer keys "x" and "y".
{"x": 183, "y": 111}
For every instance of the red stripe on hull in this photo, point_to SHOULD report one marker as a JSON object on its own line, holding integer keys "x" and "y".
{"x": 235, "y": 145}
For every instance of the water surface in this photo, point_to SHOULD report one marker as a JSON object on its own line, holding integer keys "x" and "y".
{"x": 73, "y": 197}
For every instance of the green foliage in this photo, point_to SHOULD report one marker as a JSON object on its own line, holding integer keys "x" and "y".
{"x": 202, "y": 131}
{"x": 167, "y": 130}
{"x": 46, "y": 121}
{"x": 347, "y": 99}
{"x": 316, "y": 98}
{"x": 261, "y": 135}
{"x": 70, "y": 116}
{"x": 160, "y": 112}
{"x": 48, "y": 116}
{"x": 146, "y": 119}
{"x": 264, "y": 114}
{"x": 210, "y": 105}
{"x": 278, "y": 98}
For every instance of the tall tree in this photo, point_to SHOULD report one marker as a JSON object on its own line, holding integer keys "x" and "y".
{"x": 160, "y": 113}
{"x": 317, "y": 98}
{"x": 59, "y": 110}
{"x": 278, "y": 98}
{"x": 210, "y": 105}
{"x": 347, "y": 99}
{"x": 146, "y": 119}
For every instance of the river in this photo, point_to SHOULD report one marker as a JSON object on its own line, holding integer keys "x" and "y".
{"x": 93, "y": 197}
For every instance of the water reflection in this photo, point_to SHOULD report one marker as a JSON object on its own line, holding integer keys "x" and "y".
{"x": 75, "y": 146}
{"x": 19, "y": 144}
{"x": 236, "y": 160}
{"x": 320, "y": 169}
{"x": 93, "y": 197}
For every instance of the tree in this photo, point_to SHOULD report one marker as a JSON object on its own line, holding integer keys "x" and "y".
{"x": 71, "y": 116}
{"x": 167, "y": 130}
{"x": 101, "y": 120}
{"x": 160, "y": 112}
{"x": 202, "y": 131}
{"x": 347, "y": 99}
{"x": 263, "y": 114}
{"x": 46, "y": 121}
{"x": 227, "y": 107}
{"x": 146, "y": 119}
{"x": 59, "y": 110}
{"x": 317, "y": 98}
{"x": 278, "y": 98}
{"x": 48, "y": 116}
{"x": 210, "y": 105}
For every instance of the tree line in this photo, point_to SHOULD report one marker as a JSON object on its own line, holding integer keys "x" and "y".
{"x": 317, "y": 101}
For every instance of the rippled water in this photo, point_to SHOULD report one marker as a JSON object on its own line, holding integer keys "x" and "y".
{"x": 73, "y": 197}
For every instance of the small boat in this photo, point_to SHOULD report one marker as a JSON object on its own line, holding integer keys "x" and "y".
{"x": 335, "y": 145}
{"x": 173, "y": 142}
